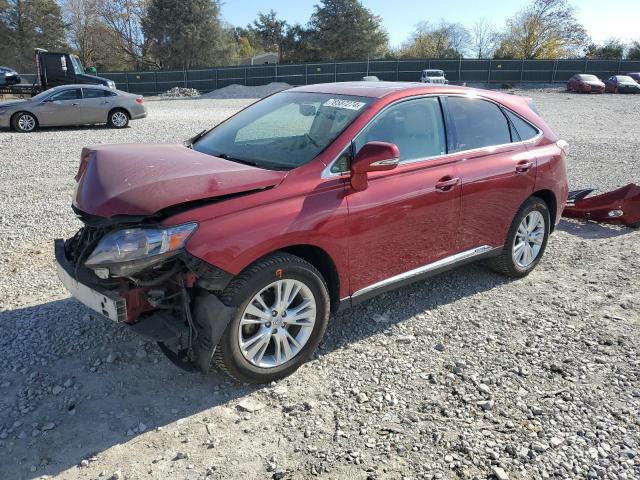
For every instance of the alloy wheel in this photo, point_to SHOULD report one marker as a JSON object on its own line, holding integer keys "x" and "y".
{"x": 26, "y": 123}
{"x": 119, "y": 119}
{"x": 528, "y": 239}
{"x": 277, "y": 323}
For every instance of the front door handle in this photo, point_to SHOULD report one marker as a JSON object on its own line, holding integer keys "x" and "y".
{"x": 447, "y": 183}
{"x": 524, "y": 166}
{"x": 75, "y": 104}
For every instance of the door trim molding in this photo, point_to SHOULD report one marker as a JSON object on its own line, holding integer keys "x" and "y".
{"x": 424, "y": 271}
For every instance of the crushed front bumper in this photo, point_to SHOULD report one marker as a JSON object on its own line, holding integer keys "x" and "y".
{"x": 98, "y": 299}
{"x": 621, "y": 206}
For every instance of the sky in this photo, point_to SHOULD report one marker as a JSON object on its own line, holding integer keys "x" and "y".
{"x": 399, "y": 16}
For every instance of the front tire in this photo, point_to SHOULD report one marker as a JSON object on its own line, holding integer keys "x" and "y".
{"x": 526, "y": 241}
{"x": 24, "y": 122}
{"x": 118, "y": 118}
{"x": 282, "y": 313}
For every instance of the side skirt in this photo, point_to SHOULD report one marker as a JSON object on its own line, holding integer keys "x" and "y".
{"x": 420, "y": 273}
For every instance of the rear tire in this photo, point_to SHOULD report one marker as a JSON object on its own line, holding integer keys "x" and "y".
{"x": 256, "y": 345}
{"x": 118, "y": 118}
{"x": 526, "y": 241}
{"x": 24, "y": 122}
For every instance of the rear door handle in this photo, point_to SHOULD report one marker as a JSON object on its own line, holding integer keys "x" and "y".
{"x": 524, "y": 166}
{"x": 445, "y": 184}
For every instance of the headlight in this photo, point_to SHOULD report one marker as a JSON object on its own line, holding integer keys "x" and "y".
{"x": 138, "y": 248}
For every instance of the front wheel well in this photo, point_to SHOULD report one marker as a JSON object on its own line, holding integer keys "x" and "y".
{"x": 548, "y": 197}
{"x": 322, "y": 261}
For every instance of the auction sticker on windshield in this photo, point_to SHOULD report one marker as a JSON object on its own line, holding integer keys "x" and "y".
{"x": 340, "y": 103}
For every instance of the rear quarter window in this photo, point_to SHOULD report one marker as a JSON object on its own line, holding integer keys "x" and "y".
{"x": 478, "y": 123}
{"x": 523, "y": 129}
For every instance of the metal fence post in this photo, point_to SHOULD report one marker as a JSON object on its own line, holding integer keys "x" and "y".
{"x": 245, "y": 76}
{"x": 555, "y": 69}
{"x": 155, "y": 79}
{"x": 275, "y": 79}
{"x": 184, "y": 77}
{"x": 460, "y": 69}
{"x": 126, "y": 80}
{"x": 397, "y": 70}
{"x": 521, "y": 70}
{"x": 619, "y": 65}
{"x": 216, "y": 79}
{"x": 335, "y": 71}
{"x": 489, "y": 74}
{"x": 586, "y": 61}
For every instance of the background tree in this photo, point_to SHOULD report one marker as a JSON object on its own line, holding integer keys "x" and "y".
{"x": 269, "y": 31}
{"x": 611, "y": 49}
{"x": 544, "y": 29}
{"x": 447, "y": 40}
{"x": 345, "y": 30}
{"x": 484, "y": 38}
{"x": 186, "y": 33}
{"x": 123, "y": 19}
{"x": 30, "y": 24}
{"x": 633, "y": 53}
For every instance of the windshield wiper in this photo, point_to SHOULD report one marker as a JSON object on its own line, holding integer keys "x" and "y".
{"x": 231, "y": 158}
{"x": 189, "y": 143}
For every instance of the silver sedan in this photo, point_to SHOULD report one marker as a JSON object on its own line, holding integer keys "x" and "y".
{"x": 73, "y": 105}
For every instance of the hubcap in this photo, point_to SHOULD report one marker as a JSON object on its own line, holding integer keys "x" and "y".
{"x": 119, "y": 119}
{"x": 26, "y": 123}
{"x": 277, "y": 323}
{"x": 528, "y": 241}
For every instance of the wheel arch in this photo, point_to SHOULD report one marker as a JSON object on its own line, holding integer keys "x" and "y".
{"x": 322, "y": 261}
{"x": 548, "y": 197}
{"x": 124, "y": 109}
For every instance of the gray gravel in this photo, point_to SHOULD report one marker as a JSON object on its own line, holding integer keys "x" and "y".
{"x": 467, "y": 375}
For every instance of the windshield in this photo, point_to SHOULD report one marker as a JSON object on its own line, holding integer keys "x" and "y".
{"x": 588, "y": 78}
{"x": 625, "y": 79}
{"x": 43, "y": 95}
{"x": 77, "y": 66}
{"x": 435, "y": 73}
{"x": 283, "y": 131}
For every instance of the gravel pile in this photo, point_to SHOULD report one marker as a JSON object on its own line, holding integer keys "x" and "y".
{"x": 467, "y": 375}
{"x": 180, "y": 92}
{"x": 240, "y": 91}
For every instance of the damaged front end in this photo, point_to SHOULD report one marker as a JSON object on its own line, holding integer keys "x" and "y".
{"x": 133, "y": 270}
{"x": 621, "y": 206}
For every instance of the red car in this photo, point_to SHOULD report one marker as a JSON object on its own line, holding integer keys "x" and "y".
{"x": 235, "y": 247}
{"x": 585, "y": 83}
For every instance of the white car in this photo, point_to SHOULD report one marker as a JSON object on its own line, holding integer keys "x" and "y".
{"x": 433, "y": 76}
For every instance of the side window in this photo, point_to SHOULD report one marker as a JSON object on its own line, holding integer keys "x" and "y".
{"x": 108, "y": 93}
{"x": 523, "y": 129}
{"x": 92, "y": 93}
{"x": 415, "y": 126}
{"x": 478, "y": 123}
{"x": 343, "y": 162}
{"x": 71, "y": 94}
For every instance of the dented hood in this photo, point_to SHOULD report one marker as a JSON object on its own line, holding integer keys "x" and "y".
{"x": 142, "y": 179}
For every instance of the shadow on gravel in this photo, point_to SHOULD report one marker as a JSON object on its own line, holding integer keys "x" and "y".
{"x": 104, "y": 387}
{"x": 593, "y": 230}
{"x": 66, "y": 399}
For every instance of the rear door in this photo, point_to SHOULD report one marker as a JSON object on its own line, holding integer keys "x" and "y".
{"x": 408, "y": 217}
{"x": 94, "y": 105}
{"x": 498, "y": 172}
{"x": 61, "y": 108}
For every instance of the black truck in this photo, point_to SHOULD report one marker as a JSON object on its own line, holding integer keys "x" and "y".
{"x": 54, "y": 69}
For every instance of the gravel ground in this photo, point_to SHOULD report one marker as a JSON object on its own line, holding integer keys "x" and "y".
{"x": 467, "y": 375}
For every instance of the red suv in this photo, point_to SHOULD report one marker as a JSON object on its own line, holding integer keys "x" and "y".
{"x": 235, "y": 247}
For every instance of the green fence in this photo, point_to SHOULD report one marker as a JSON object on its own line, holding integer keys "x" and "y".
{"x": 457, "y": 71}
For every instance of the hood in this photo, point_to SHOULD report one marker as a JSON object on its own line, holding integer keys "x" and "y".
{"x": 86, "y": 79}
{"x": 142, "y": 179}
{"x": 595, "y": 83}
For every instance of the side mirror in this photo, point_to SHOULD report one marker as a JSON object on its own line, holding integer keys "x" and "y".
{"x": 373, "y": 157}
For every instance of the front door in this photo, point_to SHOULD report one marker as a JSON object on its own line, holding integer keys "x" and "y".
{"x": 497, "y": 171}
{"x": 62, "y": 108}
{"x": 408, "y": 217}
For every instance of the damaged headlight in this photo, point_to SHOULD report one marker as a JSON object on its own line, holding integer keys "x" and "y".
{"x": 130, "y": 250}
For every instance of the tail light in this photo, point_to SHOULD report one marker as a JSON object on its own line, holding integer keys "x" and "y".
{"x": 564, "y": 146}
{"x": 139, "y": 100}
